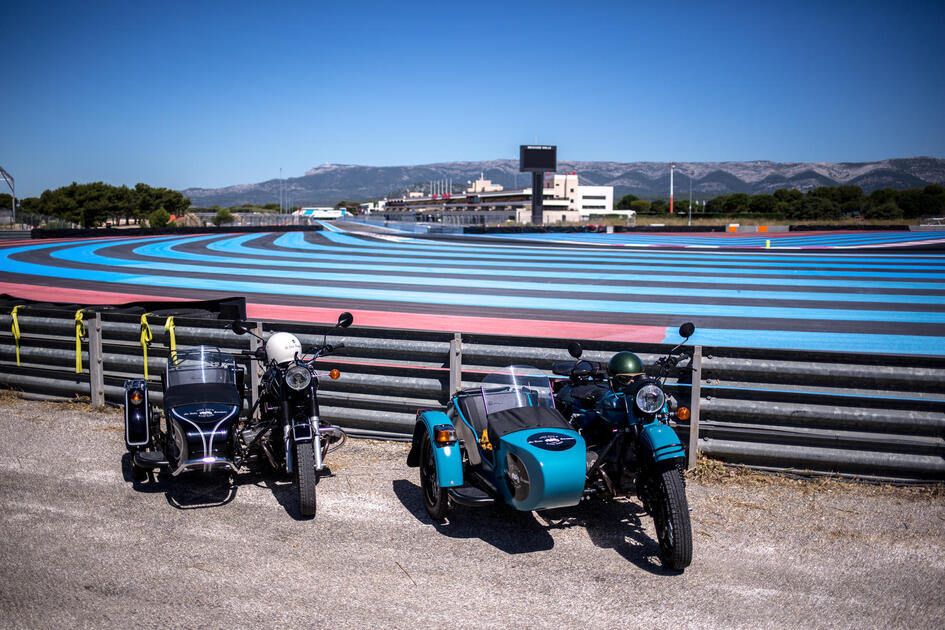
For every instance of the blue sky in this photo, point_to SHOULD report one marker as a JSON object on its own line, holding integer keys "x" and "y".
{"x": 213, "y": 94}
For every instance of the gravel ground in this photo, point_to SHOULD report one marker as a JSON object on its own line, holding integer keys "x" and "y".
{"x": 81, "y": 546}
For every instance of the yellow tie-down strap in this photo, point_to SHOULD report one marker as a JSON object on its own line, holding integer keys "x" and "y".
{"x": 172, "y": 339}
{"x": 15, "y": 329}
{"x": 146, "y": 337}
{"x": 79, "y": 333}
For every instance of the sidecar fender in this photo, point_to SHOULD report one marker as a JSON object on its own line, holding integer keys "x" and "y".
{"x": 662, "y": 442}
{"x": 448, "y": 458}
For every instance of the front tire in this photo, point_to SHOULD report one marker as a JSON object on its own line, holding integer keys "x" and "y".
{"x": 305, "y": 478}
{"x": 435, "y": 499}
{"x": 671, "y": 517}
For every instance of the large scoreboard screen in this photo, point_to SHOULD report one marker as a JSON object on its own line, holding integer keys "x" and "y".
{"x": 538, "y": 158}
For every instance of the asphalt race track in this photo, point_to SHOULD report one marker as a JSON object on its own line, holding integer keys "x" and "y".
{"x": 855, "y": 291}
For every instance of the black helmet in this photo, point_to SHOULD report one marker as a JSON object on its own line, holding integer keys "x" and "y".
{"x": 624, "y": 366}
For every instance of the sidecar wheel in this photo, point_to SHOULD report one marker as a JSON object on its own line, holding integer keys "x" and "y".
{"x": 305, "y": 478}
{"x": 137, "y": 473}
{"x": 671, "y": 517}
{"x": 435, "y": 499}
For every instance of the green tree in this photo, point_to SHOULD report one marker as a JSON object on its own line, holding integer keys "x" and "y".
{"x": 659, "y": 206}
{"x": 716, "y": 204}
{"x": 736, "y": 202}
{"x": 815, "y": 208}
{"x": 640, "y": 206}
{"x": 883, "y": 196}
{"x": 788, "y": 195}
{"x": 223, "y": 216}
{"x": 887, "y": 211}
{"x": 159, "y": 218}
{"x": 762, "y": 204}
{"x": 626, "y": 202}
{"x": 148, "y": 199}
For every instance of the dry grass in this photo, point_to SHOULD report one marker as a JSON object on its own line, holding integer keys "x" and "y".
{"x": 711, "y": 472}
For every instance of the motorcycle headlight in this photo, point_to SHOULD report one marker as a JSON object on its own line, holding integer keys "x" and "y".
{"x": 298, "y": 377}
{"x": 649, "y": 399}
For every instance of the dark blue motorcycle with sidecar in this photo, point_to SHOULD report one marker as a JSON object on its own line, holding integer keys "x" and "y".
{"x": 506, "y": 441}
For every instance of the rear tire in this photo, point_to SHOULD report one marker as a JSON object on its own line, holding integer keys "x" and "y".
{"x": 671, "y": 517}
{"x": 305, "y": 478}
{"x": 435, "y": 499}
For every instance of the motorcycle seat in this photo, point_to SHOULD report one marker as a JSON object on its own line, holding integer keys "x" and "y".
{"x": 589, "y": 393}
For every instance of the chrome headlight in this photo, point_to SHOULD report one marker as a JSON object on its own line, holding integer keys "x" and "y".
{"x": 649, "y": 399}
{"x": 298, "y": 377}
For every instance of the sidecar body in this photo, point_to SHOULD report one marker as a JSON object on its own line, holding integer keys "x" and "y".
{"x": 501, "y": 441}
{"x": 202, "y": 401}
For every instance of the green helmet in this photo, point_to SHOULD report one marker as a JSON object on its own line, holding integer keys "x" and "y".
{"x": 625, "y": 365}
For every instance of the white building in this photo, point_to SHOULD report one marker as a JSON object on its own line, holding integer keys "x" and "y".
{"x": 483, "y": 185}
{"x": 585, "y": 200}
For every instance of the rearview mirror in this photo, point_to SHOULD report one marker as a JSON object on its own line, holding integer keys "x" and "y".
{"x": 239, "y": 327}
{"x": 687, "y": 329}
{"x": 345, "y": 320}
{"x": 575, "y": 349}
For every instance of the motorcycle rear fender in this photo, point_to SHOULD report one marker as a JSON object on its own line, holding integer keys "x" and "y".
{"x": 448, "y": 458}
{"x": 662, "y": 442}
{"x": 137, "y": 425}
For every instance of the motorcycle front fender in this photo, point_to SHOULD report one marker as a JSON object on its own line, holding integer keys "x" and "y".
{"x": 302, "y": 431}
{"x": 661, "y": 442}
{"x": 448, "y": 458}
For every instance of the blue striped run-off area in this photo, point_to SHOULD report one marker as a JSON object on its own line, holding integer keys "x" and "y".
{"x": 854, "y": 299}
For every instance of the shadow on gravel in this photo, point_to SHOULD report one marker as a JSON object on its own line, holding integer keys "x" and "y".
{"x": 284, "y": 490}
{"x": 613, "y": 525}
{"x": 502, "y": 527}
{"x": 207, "y": 490}
{"x": 610, "y": 525}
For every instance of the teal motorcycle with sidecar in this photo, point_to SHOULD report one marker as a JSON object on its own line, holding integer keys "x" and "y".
{"x": 506, "y": 441}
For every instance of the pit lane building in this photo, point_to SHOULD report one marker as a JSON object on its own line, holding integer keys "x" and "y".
{"x": 563, "y": 198}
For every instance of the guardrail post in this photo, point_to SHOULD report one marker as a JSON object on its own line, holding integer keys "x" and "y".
{"x": 456, "y": 363}
{"x": 694, "y": 405}
{"x": 254, "y": 368}
{"x": 96, "y": 371}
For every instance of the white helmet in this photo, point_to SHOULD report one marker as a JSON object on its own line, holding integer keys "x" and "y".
{"x": 282, "y": 347}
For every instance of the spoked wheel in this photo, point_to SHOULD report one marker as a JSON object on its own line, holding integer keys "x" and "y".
{"x": 671, "y": 516}
{"x": 305, "y": 478}
{"x": 435, "y": 499}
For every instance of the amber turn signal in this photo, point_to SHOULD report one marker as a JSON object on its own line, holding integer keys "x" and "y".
{"x": 136, "y": 397}
{"x": 682, "y": 413}
{"x": 444, "y": 434}
{"x": 334, "y": 374}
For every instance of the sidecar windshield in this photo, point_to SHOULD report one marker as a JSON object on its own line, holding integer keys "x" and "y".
{"x": 516, "y": 386}
{"x": 200, "y": 365}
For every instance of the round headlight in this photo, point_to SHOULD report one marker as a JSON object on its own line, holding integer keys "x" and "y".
{"x": 649, "y": 399}
{"x": 298, "y": 377}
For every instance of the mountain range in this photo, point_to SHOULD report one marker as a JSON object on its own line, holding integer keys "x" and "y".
{"x": 330, "y": 183}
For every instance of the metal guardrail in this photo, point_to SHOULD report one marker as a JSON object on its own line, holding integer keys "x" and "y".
{"x": 874, "y": 416}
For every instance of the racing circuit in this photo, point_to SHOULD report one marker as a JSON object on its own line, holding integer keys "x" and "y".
{"x": 857, "y": 292}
